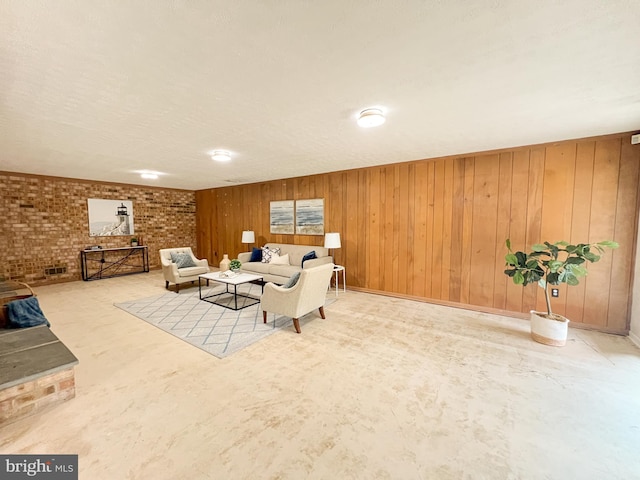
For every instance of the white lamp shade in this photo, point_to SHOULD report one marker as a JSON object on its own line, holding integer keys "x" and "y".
{"x": 248, "y": 236}
{"x": 332, "y": 240}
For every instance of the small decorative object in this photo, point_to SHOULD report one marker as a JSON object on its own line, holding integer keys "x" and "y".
{"x": 134, "y": 241}
{"x": 552, "y": 263}
{"x": 224, "y": 264}
{"x": 235, "y": 265}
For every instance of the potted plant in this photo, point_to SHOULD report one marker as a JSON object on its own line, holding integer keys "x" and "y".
{"x": 235, "y": 265}
{"x": 134, "y": 241}
{"x": 552, "y": 264}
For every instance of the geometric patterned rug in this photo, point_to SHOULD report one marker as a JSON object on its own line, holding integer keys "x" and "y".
{"x": 215, "y": 329}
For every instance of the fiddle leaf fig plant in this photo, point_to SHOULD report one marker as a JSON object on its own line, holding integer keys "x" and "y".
{"x": 553, "y": 264}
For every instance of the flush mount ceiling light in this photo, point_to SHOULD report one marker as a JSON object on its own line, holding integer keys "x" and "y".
{"x": 371, "y": 117}
{"x": 221, "y": 156}
{"x": 149, "y": 174}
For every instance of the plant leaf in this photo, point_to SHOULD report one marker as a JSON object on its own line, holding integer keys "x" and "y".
{"x": 572, "y": 280}
{"x": 552, "y": 278}
{"x": 511, "y": 259}
{"x": 518, "y": 278}
{"x": 538, "y": 247}
{"x": 508, "y": 243}
{"x": 574, "y": 261}
{"x": 578, "y": 271}
{"x": 592, "y": 257}
{"x": 609, "y": 243}
{"x": 555, "y": 265}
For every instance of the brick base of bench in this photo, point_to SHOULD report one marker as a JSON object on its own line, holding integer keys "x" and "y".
{"x": 31, "y": 397}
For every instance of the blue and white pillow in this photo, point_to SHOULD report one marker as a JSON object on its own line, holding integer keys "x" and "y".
{"x": 268, "y": 252}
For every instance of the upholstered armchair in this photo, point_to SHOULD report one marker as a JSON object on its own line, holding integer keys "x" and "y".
{"x": 306, "y": 295}
{"x": 186, "y": 269}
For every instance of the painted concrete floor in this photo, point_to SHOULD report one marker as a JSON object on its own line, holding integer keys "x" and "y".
{"x": 382, "y": 389}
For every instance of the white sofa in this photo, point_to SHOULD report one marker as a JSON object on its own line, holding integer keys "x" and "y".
{"x": 173, "y": 274}
{"x": 279, "y": 274}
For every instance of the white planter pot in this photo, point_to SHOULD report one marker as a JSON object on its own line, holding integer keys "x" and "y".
{"x": 547, "y": 330}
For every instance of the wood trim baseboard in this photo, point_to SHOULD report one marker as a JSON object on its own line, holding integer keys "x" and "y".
{"x": 492, "y": 311}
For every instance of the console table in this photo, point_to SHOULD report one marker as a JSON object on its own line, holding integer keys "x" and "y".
{"x": 113, "y": 262}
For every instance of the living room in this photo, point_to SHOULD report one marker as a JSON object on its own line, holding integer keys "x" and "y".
{"x": 424, "y": 368}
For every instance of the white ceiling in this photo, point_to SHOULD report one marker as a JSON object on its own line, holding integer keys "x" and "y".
{"x": 100, "y": 89}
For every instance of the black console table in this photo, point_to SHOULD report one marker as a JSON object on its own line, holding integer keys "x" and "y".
{"x": 113, "y": 262}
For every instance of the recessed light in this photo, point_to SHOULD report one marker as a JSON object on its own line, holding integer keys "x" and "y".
{"x": 149, "y": 176}
{"x": 221, "y": 156}
{"x": 371, "y": 117}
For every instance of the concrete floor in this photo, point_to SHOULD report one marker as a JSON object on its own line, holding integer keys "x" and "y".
{"x": 382, "y": 389}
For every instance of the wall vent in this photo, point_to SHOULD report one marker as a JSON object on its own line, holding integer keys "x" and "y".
{"x": 55, "y": 270}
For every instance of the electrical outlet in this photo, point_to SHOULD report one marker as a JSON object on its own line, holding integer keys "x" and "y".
{"x": 555, "y": 292}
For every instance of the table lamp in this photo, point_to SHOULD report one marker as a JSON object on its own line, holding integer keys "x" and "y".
{"x": 332, "y": 240}
{"x": 248, "y": 237}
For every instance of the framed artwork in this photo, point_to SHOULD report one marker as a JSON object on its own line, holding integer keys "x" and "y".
{"x": 281, "y": 217}
{"x": 310, "y": 217}
{"x": 108, "y": 218}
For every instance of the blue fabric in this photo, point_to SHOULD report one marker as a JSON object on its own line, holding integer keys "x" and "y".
{"x": 256, "y": 255}
{"x": 25, "y": 312}
{"x": 292, "y": 281}
{"x": 309, "y": 256}
{"x": 182, "y": 260}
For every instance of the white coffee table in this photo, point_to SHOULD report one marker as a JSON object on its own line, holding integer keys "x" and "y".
{"x": 235, "y": 281}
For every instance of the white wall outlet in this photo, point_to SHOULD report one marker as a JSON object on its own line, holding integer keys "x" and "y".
{"x": 635, "y": 139}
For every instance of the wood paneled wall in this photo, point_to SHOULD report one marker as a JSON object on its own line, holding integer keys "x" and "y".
{"x": 435, "y": 229}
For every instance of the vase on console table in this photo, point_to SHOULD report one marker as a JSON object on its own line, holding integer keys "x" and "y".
{"x": 224, "y": 263}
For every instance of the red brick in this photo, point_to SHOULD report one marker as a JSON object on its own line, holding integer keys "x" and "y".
{"x": 67, "y": 384}
{"x": 16, "y": 390}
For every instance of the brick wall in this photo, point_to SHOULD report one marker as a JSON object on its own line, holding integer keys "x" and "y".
{"x": 45, "y": 224}
{"x": 30, "y": 397}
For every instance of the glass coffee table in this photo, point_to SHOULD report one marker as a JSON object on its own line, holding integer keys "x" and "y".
{"x": 229, "y": 298}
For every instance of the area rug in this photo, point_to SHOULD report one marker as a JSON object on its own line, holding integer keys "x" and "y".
{"x": 215, "y": 329}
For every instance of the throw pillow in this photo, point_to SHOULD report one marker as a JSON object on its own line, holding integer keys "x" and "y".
{"x": 279, "y": 260}
{"x": 256, "y": 255}
{"x": 267, "y": 252}
{"x": 309, "y": 256}
{"x": 182, "y": 260}
{"x": 292, "y": 280}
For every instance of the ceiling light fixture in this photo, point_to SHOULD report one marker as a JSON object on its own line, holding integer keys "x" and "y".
{"x": 371, "y": 117}
{"x": 149, "y": 174}
{"x": 221, "y": 156}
